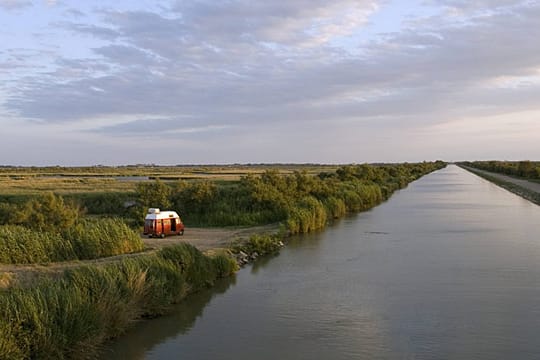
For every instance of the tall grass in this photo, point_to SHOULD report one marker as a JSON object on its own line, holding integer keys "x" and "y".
{"x": 71, "y": 317}
{"x": 92, "y": 239}
{"x": 89, "y": 239}
{"x": 19, "y": 245}
{"x": 309, "y": 214}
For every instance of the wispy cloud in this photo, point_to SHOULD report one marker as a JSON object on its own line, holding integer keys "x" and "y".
{"x": 14, "y": 4}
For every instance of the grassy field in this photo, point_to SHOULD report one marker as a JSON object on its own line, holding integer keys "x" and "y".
{"x": 74, "y": 180}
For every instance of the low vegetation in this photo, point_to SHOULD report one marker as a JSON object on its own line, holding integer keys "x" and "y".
{"x": 259, "y": 244}
{"x": 71, "y": 316}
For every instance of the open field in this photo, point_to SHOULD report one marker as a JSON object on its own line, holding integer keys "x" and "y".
{"x": 73, "y": 180}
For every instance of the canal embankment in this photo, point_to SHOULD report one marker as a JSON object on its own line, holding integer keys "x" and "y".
{"x": 524, "y": 188}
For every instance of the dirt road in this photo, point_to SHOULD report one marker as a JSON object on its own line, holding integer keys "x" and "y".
{"x": 524, "y": 184}
{"x": 209, "y": 238}
{"x": 529, "y": 185}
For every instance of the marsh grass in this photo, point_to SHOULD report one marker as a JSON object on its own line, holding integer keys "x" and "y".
{"x": 262, "y": 244}
{"x": 89, "y": 239}
{"x": 70, "y": 317}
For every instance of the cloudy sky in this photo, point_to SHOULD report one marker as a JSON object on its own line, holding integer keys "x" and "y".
{"x": 248, "y": 81}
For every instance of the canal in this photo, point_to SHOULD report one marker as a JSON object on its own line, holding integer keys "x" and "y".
{"x": 448, "y": 268}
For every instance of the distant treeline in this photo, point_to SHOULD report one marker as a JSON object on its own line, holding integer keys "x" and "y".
{"x": 148, "y": 169}
{"x": 525, "y": 169}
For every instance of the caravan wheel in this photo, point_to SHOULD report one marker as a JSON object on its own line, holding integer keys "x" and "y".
{"x": 181, "y": 232}
{"x": 162, "y": 236}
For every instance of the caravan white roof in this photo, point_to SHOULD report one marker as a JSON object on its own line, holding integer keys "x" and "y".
{"x": 161, "y": 215}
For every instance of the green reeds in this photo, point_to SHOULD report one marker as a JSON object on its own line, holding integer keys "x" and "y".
{"x": 70, "y": 317}
{"x": 89, "y": 239}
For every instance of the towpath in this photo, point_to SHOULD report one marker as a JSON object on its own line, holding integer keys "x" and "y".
{"x": 529, "y": 185}
{"x": 206, "y": 239}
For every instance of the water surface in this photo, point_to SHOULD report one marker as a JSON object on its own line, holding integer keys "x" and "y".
{"x": 448, "y": 268}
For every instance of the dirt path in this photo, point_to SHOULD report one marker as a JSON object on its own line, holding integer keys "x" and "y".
{"x": 205, "y": 239}
{"x": 209, "y": 238}
{"x": 529, "y": 185}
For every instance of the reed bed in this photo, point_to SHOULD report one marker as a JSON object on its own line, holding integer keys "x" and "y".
{"x": 70, "y": 317}
{"x": 89, "y": 239}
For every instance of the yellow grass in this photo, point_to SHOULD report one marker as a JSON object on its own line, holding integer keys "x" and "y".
{"x": 69, "y": 180}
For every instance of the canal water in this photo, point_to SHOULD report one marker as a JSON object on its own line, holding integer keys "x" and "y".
{"x": 448, "y": 268}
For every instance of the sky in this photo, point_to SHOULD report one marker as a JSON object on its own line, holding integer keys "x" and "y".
{"x": 266, "y": 81}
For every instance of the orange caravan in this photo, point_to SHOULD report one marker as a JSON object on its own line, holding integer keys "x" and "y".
{"x": 162, "y": 223}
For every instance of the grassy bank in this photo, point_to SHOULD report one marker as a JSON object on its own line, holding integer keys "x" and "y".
{"x": 71, "y": 316}
{"x": 516, "y": 189}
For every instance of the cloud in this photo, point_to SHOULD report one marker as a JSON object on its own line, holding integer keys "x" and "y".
{"x": 14, "y": 4}
{"x": 100, "y": 32}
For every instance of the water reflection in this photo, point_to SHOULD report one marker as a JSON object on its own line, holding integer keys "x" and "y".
{"x": 141, "y": 339}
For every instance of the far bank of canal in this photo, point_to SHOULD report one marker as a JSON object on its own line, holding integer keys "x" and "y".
{"x": 447, "y": 268}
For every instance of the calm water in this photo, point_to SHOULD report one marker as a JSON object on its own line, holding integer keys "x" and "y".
{"x": 448, "y": 268}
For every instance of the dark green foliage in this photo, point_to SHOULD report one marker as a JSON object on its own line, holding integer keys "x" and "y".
{"x": 108, "y": 203}
{"x": 70, "y": 317}
{"x": 47, "y": 212}
{"x": 151, "y": 195}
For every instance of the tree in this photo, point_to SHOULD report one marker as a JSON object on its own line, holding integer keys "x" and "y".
{"x": 526, "y": 169}
{"x": 153, "y": 194}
